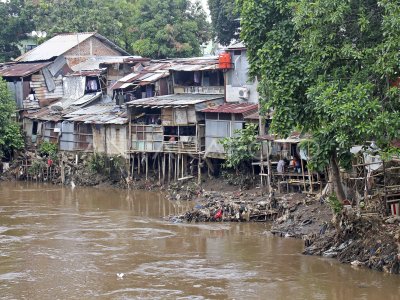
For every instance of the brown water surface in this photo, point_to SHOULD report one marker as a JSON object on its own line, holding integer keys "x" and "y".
{"x": 60, "y": 243}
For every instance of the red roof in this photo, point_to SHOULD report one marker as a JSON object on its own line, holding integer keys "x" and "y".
{"x": 233, "y": 108}
{"x": 21, "y": 69}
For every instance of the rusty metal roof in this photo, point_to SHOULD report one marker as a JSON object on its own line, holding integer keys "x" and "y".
{"x": 62, "y": 43}
{"x": 233, "y": 108}
{"x": 21, "y": 69}
{"x": 45, "y": 114}
{"x": 173, "y": 100}
{"x": 147, "y": 75}
{"x": 195, "y": 64}
{"x": 100, "y": 114}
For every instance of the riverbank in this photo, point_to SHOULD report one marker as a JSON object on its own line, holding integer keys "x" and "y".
{"x": 361, "y": 240}
{"x": 351, "y": 237}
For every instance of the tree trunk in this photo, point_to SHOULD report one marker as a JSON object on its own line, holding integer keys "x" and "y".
{"x": 335, "y": 178}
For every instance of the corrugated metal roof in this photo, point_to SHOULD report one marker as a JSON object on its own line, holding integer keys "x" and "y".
{"x": 21, "y": 69}
{"x": 129, "y": 77}
{"x": 55, "y": 46}
{"x": 87, "y": 98}
{"x": 233, "y": 108}
{"x": 61, "y": 43}
{"x": 100, "y": 114}
{"x": 45, "y": 114}
{"x": 174, "y": 100}
{"x": 194, "y": 67}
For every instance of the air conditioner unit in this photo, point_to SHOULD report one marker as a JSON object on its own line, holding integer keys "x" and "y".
{"x": 244, "y": 93}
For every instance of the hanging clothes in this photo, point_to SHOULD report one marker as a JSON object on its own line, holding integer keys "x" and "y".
{"x": 91, "y": 85}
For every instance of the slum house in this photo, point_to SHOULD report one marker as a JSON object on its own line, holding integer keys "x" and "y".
{"x": 34, "y": 85}
{"x": 221, "y": 122}
{"x": 115, "y": 67}
{"x": 173, "y": 125}
{"x": 283, "y": 164}
{"x": 106, "y": 129}
{"x": 47, "y": 124}
{"x": 35, "y": 78}
{"x": 148, "y": 79}
{"x": 168, "y": 131}
{"x": 239, "y": 86}
{"x": 72, "y": 48}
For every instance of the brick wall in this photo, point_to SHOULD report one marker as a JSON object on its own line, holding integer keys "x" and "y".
{"x": 88, "y": 48}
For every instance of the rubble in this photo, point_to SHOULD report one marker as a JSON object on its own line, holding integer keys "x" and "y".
{"x": 360, "y": 241}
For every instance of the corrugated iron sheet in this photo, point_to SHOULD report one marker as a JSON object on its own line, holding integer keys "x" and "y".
{"x": 231, "y": 108}
{"x": 55, "y": 46}
{"x": 174, "y": 100}
{"x": 61, "y": 43}
{"x": 21, "y": 69}
{"x": 99, "y": 114}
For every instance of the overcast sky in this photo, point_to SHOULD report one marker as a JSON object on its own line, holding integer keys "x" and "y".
{"x": 205, "y": 5}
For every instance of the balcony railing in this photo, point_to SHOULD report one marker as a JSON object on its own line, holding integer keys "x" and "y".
{"x": 199, "y": 90}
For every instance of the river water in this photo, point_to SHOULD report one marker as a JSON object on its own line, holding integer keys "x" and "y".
{"x": 63, "y": 243}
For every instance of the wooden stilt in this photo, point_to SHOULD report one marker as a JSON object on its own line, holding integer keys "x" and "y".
{"x": 163, "y": 168}
{"x": 139, "y": 163}
{"x": 269, "y": 169}
{"x": 159, "y": 168}
{"x": 147, "y": 165}
{"x": 176, "y": 167}
{"x": 199, "y": 171}
{"x": 133, "y": 165}
{"x": 183, "y": 165}
{"x": 304, "y": 177}
{"x": 169, "y": 167}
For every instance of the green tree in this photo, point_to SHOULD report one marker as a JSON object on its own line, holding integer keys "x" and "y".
{"x": 225, "y": 20}
{"x": 15, "y": 22}
{"x": 169, "y": 28}
{"x": 10, "y": 134}
{"x": 242, "y": 147}
{"x": 326, "y": 67}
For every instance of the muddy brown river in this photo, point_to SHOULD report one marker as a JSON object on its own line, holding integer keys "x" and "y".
{"x": 63, "y": 243}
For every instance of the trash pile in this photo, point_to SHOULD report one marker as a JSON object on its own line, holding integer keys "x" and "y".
{"x": 231, "y": 207}
{"x": 361, "y": 241}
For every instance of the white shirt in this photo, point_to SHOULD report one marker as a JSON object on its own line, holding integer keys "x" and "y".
{"x": 281, "y": 166}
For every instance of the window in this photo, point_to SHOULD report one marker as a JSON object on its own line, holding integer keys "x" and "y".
{"x": 34, "y": 128}
{"x": 237, "y": 52}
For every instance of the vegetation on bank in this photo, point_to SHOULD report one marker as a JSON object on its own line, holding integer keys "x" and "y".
{"x": 329, "y": 69}
{"x": 10, "y": 133}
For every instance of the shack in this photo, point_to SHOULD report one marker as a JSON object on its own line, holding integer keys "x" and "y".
{"x": 72, "y": 48}
{"x": 147, "y": 80}
{"x": 171, "y": 124}
{"x": 221, "y": 122}
{"x": 100, "y": 128}
{"x": 47, "y": 123}
{"x": 34, "y": 85}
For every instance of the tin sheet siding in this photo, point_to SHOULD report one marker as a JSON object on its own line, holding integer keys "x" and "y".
{"x": 99, "y": 138}
{"x": 110, "y": 139}
{"x": 116, "y": 136}
{"x": 17, "y": 92}
{"x": 218, "y": 129}
{"x": 215, "y": 130}
{"x": 67, "y": 137}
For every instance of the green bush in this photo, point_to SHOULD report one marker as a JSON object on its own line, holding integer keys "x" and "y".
{"x": 103, "y": 164}
{"x": 48, "y": 149}
{"x": 335, "y": 204}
